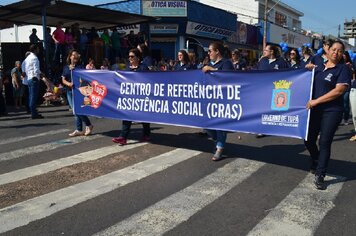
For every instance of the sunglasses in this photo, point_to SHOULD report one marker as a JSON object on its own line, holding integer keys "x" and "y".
{"x": 130, "y": 56}
{"x": 292, "y": 53}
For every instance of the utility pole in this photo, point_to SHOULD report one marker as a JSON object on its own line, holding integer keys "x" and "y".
{"x": 265, "y": 25}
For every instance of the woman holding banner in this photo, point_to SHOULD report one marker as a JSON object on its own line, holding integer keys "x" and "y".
{"x": 73, "y": 63}
{"x": 331, "y": 80}
{"x": 135, "y": 58}
{"x": 218, "y": 62}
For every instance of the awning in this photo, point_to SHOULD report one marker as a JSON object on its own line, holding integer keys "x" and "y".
{"x": 30, "y": 13}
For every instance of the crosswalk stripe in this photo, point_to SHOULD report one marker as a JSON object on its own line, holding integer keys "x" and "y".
{"x": 179, "y": 207}
{"x": 46, "y": 147}
{"x": 301, "y": 212}
{"x": 19, "y": 139}
{"x": 63, "y": 162}
{"x": 40, "y": 207}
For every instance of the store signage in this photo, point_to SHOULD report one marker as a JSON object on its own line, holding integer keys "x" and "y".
{"x": 127, "y": 28}
{"x": 167, "y": 8}
{"x": 279, "y": 34}
{"x": 208, "y": 31}
{"x": 164, "y": 28}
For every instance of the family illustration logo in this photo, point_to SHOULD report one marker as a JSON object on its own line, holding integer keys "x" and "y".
{"x": 281, "y": 95}
{"x": 93, "y": 93}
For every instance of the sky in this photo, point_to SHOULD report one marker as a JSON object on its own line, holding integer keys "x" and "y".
{"x": 321, "y": 16}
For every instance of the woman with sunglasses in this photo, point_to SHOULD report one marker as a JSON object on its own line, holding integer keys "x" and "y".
{"x": 272, "y": 59}
{"x": 218, "y": 62}
{"x": 135, "y": 64}
{"x": 294, "y": 59}
{"x": 331, "y": 80}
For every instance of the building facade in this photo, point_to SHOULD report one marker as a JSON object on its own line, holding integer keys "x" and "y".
{"x": 187, "y": 25}
{"x": 284, "y": 24}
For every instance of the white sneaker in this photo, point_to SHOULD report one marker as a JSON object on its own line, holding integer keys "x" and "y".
{"x": 88, "y": 130}
{"x": 76, "y": 133}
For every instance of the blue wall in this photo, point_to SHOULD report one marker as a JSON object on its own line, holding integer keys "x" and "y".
{"x": 204, "y": 14}
{"x": 130, "y": 6}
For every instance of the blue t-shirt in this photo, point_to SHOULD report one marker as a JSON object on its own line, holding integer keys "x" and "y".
{"x": 141, "y": 67}
{"x": 304, "y": 62}
{"x": 294, "y": 66}
{"x": 67, "y": 74}
{"x": 179, "y": 66}
{"x": 318, "y": 60}
{"x": 326, "y": 80}
{"x": 276, "y": 64}
{"x": 223, "y": 64}
{"x": 148, "y": 61}
{"x": 240, "y": 65}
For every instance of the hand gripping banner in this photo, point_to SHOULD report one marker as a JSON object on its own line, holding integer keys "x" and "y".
{"x": 266, "y": 102}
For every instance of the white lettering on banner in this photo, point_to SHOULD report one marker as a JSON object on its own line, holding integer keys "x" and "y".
{"x": 280, "y": 120}
{"x": 210, "y": 94}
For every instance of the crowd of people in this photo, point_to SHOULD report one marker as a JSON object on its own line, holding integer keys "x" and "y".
{"x": 334, "y": 90}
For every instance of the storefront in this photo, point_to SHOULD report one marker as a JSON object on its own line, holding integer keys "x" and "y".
{"x": 180, "y": 25}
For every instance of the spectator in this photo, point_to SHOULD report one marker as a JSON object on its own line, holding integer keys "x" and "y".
{"x": 58, "y": 37}
{"x": 33, "y": 37}
{"x": 16, "y": 76}
{"x": 33, "y": 73}
{"x": 90, "y": 65}
{"x": 116, "y": 44}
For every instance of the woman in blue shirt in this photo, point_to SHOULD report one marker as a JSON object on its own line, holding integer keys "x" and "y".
{"x": 183, "y": 61}
{"x": 294, "y": 59}
{"x": 218, "y": 62}
{"x": 320, "y": 59}
{"x": 272, "y": 59}
{"x": 73, "y": 63}
{"x": 136, "y": 64}
{"x": 307, "y": 55}
{"x": 331, "y": 80}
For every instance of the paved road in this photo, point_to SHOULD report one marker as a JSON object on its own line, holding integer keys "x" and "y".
{"x": 51, "y": 184}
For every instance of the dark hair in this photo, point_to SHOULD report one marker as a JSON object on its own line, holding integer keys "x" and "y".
{"x": 307, "y": 50}
{"x": 33, "y": 47}
{"x": 329, "y": 42}
{"x": 145, "y": 50}
{"x": 216, "y": 45}
{"x": 296, "y": 54}
{"x": 276, "y": 50}
{"x": 236, "y": 52}
{"x": 137, "y": 53}
{"x": 347, "y": 57}
{"x": 70, "y": 54}
{"x": 185, "y": 56}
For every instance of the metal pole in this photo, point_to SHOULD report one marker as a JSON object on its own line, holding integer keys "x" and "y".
{"x": 45, "y": 39}
{"x": 265, "y": 25}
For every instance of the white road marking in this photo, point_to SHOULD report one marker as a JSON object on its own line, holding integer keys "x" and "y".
{"x": 179, "y": 207}
{"x": 19, "y": 139}
{"x": 46, "y": 147}
{"x": 301, "y": 212}
{"x": 63, "y": 162}
{"x": 40, "y": 207}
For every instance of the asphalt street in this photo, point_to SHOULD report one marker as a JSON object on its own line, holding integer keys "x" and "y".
{"x": 52, "y": 184}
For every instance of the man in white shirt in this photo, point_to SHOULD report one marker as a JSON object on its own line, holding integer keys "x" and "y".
{"x": 31, "y": 66}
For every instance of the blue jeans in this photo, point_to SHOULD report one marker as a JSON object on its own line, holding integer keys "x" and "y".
{"x": 33, "y": 89}
{"x": 126, "y": 127}
{"x": 218, "y": 136}
{"x": 325, "y": 124}
{"x": 79, "y": 119}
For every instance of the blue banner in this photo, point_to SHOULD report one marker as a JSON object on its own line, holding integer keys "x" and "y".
{"x": 266, "y": 102}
